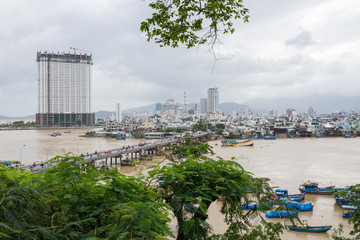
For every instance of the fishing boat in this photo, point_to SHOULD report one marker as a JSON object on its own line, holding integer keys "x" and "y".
{"x": 121, "y": 138}
{"x": 281, "y": 214}
{"x": 233, "y": 142}
{"x": 348, "y": 211}
{"x": 343, "y": 196}
{"x": 281, "y": 193}
{"x": 304, "y": 227}
{"x": 296, "y": 197}
{"x": 253, "y": 206}
{"x": 270, "y": 138}
{"x": 313, "y": 188}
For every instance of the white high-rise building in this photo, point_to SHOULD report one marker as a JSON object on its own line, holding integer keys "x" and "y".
{"x": 213, "y": 100}
{"x": 118, "y": 113}
{"x": 64, "y": 89}
{"x": 203, "y": 105}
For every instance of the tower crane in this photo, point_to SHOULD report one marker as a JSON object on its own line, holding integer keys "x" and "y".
{"x": 79, "y": 49}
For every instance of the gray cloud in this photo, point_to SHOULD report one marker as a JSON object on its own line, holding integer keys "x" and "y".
{"x": 302, "y": 40}
{"x": 132, "y": 71}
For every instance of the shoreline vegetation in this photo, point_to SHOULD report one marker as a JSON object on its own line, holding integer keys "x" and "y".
{"x": 67, "y": 201}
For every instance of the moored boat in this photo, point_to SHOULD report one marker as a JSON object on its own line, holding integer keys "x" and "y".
{"x": 270, "y": 138}
{"x": 281, "y": 214}
{"x": 281, "y": 193}
{"x": 313, "y": 188}
{"x": 304, "y": 227}
{"x": 297, "y": 197}
{"x": 233, "y": 142}
{"x": 348, "y": 211}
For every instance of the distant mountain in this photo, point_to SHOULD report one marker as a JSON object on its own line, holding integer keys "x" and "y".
{"x": 29, "y": 117}
{"x": 226, "y": 107}
{"x": 321, "y": 104}
{"x": 229, "y": 107}
{"x": 104, "y": 114}
{"x": 148, "y": 108}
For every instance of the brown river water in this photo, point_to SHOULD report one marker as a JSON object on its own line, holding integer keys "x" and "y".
{"x": 287, "y": 162}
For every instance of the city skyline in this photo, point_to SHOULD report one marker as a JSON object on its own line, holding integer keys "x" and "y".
{"x": 290, "y": 54}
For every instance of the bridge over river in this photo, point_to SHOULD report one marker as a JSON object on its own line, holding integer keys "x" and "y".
{"x": 125, "y": 155}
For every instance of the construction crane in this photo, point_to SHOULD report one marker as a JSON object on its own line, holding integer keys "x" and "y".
{"x": 79, "y": 49}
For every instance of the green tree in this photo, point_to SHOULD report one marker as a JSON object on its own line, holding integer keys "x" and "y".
{"x": 72, "y": 201}
{"x": 192, "y": 22}
{"x": 193, "y": 181}
{"x": 202, "y": 126}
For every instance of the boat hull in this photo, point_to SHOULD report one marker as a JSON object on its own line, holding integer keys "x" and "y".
{"x": 313, "y": 229}
{"x": 231, "y": 143}
{"x": 317, "y": 191}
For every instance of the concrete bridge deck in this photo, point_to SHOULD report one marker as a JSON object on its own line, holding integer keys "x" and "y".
{"x": 124, "y": 154}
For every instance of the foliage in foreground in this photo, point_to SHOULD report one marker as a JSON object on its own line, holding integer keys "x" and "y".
{"x": 71, "y": 201}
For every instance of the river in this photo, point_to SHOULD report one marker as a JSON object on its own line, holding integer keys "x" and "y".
{"x": 287, "y": 162}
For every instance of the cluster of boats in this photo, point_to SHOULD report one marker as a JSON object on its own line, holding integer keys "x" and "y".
{"x": 55, "y": 134}
{"x": 293, "y": 206}
{"x": 343, "y": 198}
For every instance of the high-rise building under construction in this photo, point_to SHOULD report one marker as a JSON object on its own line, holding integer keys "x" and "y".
{"x": 64, "y": 90}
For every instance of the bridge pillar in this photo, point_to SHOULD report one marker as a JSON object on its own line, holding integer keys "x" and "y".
{"x": 111, "y": 162}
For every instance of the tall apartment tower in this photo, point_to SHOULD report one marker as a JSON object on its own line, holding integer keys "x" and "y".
{"x": 118, "y": 113}
{"x": 213, "y": 100}
{"x": 64, "y": 90}
{"x": 203, "y": 105}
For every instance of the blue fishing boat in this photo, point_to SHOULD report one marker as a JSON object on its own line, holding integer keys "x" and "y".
{"x": 270, "y": 138}
{"x": 281, "y": 214}
{"x": 252, "y": 206}
{"x": 304, "y": 227}
{"x": 348, "y": 211}
{"x": 121, "y": 138}
{"x": 297, "y": 197}
{"x": 341, "y": 200}
{"x": 313, "y": 188}
{"x": 281, "y": 193}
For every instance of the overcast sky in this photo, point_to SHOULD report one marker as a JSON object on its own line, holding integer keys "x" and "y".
{"x": 291, "y": 54}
